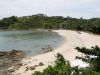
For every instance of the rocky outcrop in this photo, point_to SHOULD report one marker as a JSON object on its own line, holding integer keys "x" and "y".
{"x": 8, "y": 59}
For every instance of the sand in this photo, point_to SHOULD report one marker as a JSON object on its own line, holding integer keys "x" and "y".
{"x": 72, "y": 39}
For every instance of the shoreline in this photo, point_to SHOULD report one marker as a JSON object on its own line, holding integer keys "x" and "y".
{"x": 8, "y": 59}
{"x": 67, "y": 49}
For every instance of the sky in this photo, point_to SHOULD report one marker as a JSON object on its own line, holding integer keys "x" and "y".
{"x": 72, "y": 8}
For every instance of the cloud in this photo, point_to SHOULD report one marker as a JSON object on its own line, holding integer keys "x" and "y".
{"x": 74, "y": 8}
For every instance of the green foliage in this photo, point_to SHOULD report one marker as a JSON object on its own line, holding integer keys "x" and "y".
{"x": 60, "y": 67}
{"x": 89, "y": 72}
{"x": 60, "y": 61}
{"x": 92, "y": 56}
{"x": 6, "y": 22}
{"x": 38, "y": 73}
{"x": 53, "y": 22}
{"x": 85, "y": 71}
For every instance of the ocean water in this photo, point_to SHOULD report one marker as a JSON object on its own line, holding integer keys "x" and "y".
{"x": 31, "y": 42}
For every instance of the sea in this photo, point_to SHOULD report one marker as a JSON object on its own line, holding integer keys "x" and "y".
{"x": 30, "y": 41}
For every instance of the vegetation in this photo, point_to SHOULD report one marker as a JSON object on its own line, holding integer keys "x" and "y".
{"x": 62, "y": 67}
{"x": 92, "y": 56}
{"x": 6, "y": 22}
{"x": 53, "y": 22}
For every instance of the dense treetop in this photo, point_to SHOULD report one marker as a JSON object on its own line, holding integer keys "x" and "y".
{"x": 54, "y": 22}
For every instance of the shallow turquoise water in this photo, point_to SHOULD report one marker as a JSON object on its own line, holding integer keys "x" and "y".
{"x": 31, "y": 42}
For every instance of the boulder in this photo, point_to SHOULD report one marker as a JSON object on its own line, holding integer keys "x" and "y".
{"x": 2, "y": 54}
{"x": 11, "y": 70}
{"x": 32, "y": 68}
{"x": 27, "y": 68}
{"x": 41, "y": 64}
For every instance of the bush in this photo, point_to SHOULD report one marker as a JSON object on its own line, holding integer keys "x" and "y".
{"x": 61, "y": 67}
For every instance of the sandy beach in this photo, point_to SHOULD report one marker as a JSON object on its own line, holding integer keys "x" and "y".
{"x": 72, "y": 39}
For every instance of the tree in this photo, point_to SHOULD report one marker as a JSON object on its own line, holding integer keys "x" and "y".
{"x": 61, "y": 67}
